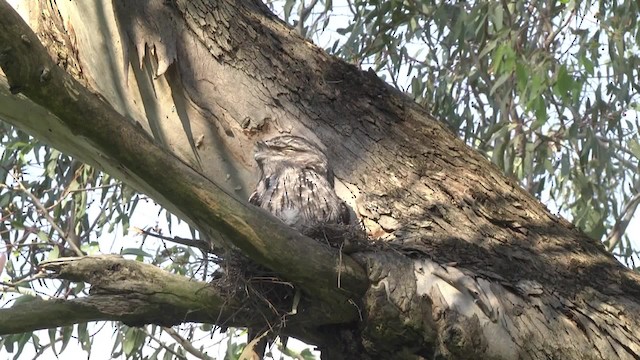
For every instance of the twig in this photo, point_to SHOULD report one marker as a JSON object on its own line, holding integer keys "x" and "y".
{"x": 165, "y": 347}
{"x": 621, "y": 224}
{"x": 11, "y": 287}
{"x": 200, "y": 244}
{"x": 186, "y": 344}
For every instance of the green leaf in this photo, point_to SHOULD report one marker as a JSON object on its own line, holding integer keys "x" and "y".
{"x": 564, "y": 83}
{"x": 634, "y": 147}
{"x": 413, "y": 24}
{"x": 54, "y": 253}
{"x": 587, "y": 64}
{"x": 67, "y": 331}
{"x": 488, "y": 47}
{"x": 24, "y": 299}
{"x": 497, "y": 16}
{"x": 501, "y": 80}
{"x": 83, "y": 337}
{"x": 288, "y": 5}
{"x": 8, "y": 344}
{"x": 23, "y": 339}
{"x": 168, "y": 355}
{"x": 307, "y": 354}
{"x": 129, "y": 341}
{"x": 52, "y": 339}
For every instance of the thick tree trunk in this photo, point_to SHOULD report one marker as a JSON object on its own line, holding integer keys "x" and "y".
{"x": 469, "y": 266}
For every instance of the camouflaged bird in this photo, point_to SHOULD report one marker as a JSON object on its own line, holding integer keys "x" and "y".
{"x": 296, "y": 184}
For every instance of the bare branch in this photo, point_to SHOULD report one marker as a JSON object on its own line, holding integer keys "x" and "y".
{"x": 200, "y": 244}
{"x": 614, "y": 237}
{"x": 187, "y": 345}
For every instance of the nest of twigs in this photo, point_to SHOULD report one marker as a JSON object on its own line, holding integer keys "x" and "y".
{"x": 265, "y": 294}
{"x": 270, "y": 297}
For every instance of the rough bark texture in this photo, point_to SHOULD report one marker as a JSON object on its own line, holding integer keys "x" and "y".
{"x": 470, "y": 265}
{"x": 137, "y": 293}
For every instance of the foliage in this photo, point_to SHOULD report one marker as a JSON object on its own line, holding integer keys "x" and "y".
{"x": 48, "y": 200}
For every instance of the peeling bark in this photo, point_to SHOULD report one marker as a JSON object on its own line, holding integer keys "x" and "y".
{"x": 465, "y": 264}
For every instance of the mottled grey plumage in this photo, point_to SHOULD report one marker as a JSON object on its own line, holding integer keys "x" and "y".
{"x": 296, "y": 183}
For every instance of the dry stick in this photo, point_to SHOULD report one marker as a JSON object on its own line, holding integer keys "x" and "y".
{"x": 186, "y": 344}
{"x": 620, "y": 227}
{"x": 200, "y": 244}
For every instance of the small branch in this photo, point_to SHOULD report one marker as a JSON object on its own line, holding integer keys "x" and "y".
{"x": 164, "y": 346}
{"x": 200, "y": 244}
{"x": 46, "y": 314}
{"x": 9, "y": 287}
{"x": 26, "y": 279}
{"x": 614, "y": 237}
{"x": 305, "y": 11}
{"x": 187, "y": 345}
{"x": 146, "y": 295}
{"x": 101, "y": 187}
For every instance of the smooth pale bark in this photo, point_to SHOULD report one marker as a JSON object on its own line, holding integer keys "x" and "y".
{"x": 469, "y": 266}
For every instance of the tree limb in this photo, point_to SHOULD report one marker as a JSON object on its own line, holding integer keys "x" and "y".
{"x": 137, "y": 293}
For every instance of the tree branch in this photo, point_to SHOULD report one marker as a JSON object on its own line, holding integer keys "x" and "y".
{"x": 137, "y": 293}
{"x": 200, "y": 244}
{"x": 187, "y": 345}
{"x": 45, "y": 314}
{"x": 620, "y": 227}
